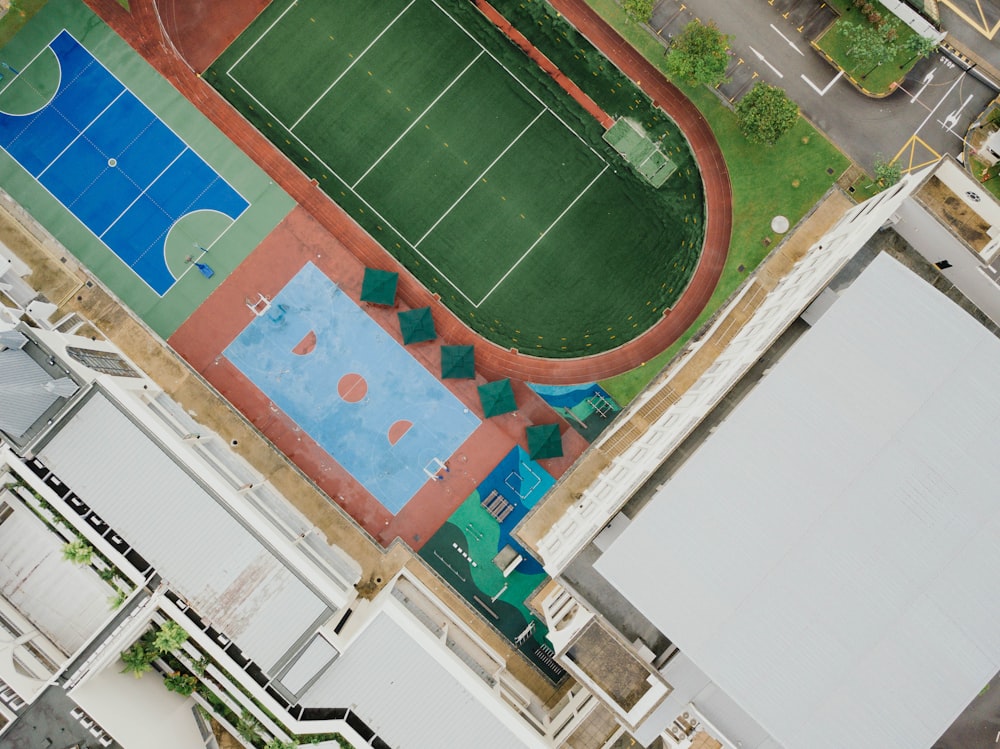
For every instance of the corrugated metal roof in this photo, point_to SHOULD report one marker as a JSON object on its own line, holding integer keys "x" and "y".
{"x": 23, "y": 396}
{"x": 829, "y": 555}
{"x": 406, "y": 695}
{"x": 206, "y": 555}
{"x": 67, "y": 603}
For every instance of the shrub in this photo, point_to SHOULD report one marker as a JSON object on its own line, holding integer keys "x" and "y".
{"x": 640, "y": 10}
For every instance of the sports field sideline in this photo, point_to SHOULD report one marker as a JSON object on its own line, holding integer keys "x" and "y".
{"x": 459, "y": 156}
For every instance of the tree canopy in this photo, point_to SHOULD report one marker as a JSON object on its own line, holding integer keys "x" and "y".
{"x": 78, "y": 552}
{"x": 866, "y": 45}
{"x": 169, "y": 637}
{"x": 887, "y": 173}
{"x": 640, "y": 10}
{"x": 138, "y": 659}
{"x": 766, "y": 113}
{"x": 699, "y": 54}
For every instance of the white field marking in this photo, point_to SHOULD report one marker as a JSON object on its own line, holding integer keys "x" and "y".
{"x": 927, "y": 82}
{"x": 264, "y": 33}
{"x": 29, "y": 63}
{"x": 827, "y": 87}
{"x": 80, "y": 135}
{"x": 477, "y": 179}
{"x": 368, "y": 205}
{"x": 511, "y": 74}
{"x": 418, "y": 118}
{"x": 354, "y": 62}
{"x": 790, "y": 42}
{"x": 143, "y": 192}
{"x": 70, "y": 210}
{"x": 159, "y": 119}
{"x": 761, "y": 58}
{"x": 541, "y": 236}
{"x": 202, "y": 256}
{"x": 940, "y": 102}
{"x": 163, "y": 122}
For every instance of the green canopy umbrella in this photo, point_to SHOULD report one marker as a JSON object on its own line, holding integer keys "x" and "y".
{"x": 458, "y": 362}
{"x": 379, "y": 287}
{"x": 544, "y": 441}
{"x": 497, "y": 398}
{"x": 417, "y": 325}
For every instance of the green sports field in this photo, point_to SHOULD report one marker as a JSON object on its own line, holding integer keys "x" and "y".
{"x": 468, "y": 164}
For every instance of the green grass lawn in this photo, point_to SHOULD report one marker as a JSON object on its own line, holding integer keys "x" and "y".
{"x": 473, "y": 168}
{"x": 18, "y": 15}
{"x": 877, "y": 79}
{"x": 787, "y": 179}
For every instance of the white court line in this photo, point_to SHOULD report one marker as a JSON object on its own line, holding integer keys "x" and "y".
{"x": 143, "y": 192}
{"x": 541, "y": 237}
{"x": 388, "y": 224}
{"x": 522, "y": 84}
{"x": 160, "y": 120}
{"x": 477, "y": 179}
{"x": 29, "y": 63}
{"x": 822, "y": 91}
{"x": 200, "y": 257}
{"x": 80, "y": 134}
{"x": 357, "y": 195}
{"x": 790, "y": 42}
{"x": 264, "y": 33}
{"x": 349, "y": 67}
{"x": 419, "y": 117}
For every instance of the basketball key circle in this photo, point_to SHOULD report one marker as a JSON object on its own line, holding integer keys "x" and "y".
{"x": 352, "y": 387}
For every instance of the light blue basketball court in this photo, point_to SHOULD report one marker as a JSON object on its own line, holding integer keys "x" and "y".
{"x": 349, "y": 385}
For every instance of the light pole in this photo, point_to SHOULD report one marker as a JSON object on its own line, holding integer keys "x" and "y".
{"x": 871, "y": 71}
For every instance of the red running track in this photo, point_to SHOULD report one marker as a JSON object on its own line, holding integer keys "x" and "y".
{"x": 143, "y": 29}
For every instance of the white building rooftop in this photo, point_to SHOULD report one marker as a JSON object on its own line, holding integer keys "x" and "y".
{"x": 828, "y": 556}
{"x": 227, "y": 574}
{"x": 409, "y": 692}
{"x": 43, "y": 586}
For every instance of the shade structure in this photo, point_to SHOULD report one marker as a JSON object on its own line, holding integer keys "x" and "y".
{"x": 417, "y": 325}
{"x": 497, "y": 398}
{"x": 544, "y": 441}
{"x": 458, "y": 362}
{"x": 379, "y": 286}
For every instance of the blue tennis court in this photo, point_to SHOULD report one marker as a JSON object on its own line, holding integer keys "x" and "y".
{"x": 116, "y": 166}
{"x": 356, "y": 391}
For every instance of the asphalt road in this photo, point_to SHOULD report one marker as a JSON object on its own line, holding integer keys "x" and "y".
{"x": 978, "y": 727}
{"x": 928, "y": 115}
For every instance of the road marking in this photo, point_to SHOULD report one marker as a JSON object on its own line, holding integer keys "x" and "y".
{"x": 761, "y": 58}
{"x": 952, "y": 119}
{"x": 927, "y": 82}
{"x": 822, "y": 91}
{"x": 940, "y": 102}
{"x": 790, "y": 42}
{"x": 931, "y": 157}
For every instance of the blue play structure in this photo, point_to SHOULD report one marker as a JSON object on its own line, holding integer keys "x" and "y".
{"x": 114, "y": 164}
